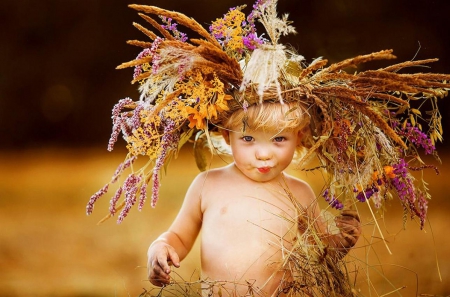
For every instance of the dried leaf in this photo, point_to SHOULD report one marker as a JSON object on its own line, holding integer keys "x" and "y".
{"x": 415, "y": 111}
{"x": 412, "y": 119}
{"x": 200, "y": 151}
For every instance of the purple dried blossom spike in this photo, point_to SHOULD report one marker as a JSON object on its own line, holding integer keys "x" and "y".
{"x": 95, "y": 197}
{"x": 168, "y": 141}
{"x": 117, "y": 121}
{"x": 136, "y": 118}
{"x": 368, "y": 192}
{"x": 122, "y": 167}
{"x": 402, "y": 183}
{"x": 138, "y": 68}
{"x": 423, "y": 209}
{"x": 130, "y": 186}
{"x": 143, "y": 195}
{"x": 251, "y": 41}
{"x": 156, "y": 57}
{"x": 332, "y": 200}
{"x": 172, "y": 26}
{"x": 113, "y": 201}
{"x": 416, "y": 137}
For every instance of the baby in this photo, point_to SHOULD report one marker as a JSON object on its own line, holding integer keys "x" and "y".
{"x": 243, "y": 210}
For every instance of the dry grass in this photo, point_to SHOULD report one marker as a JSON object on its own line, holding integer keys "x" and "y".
{"x": 48, "y": 247}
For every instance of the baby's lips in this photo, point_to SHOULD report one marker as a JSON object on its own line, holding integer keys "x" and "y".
{"x": 264, "y": 169}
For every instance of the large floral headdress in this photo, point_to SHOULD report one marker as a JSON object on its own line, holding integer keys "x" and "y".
{"x": 367, "y": 128}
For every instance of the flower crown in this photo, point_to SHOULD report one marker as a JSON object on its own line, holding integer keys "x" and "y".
{"x": 366, "y": 132}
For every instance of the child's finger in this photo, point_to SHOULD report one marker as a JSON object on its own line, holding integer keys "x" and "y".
{"x": 162, "y": 261}
{"x": 350, "y": 239}
{"x": 159, "y": 279}
{"x": 348, "y": 213}
{"x": 173, "y": 258}
{"x": 156, "y": 274}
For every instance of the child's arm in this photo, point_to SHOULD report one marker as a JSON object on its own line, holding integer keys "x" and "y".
{"x": 349, "y": 226}
{"x": 173, "y": 245}
{"x": 348, "y": 222}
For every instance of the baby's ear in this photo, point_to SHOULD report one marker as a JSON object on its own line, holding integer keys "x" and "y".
{"x": 303, "y": 135}
{"x": 299, "y": 137}
{"x": 225, "y": 135}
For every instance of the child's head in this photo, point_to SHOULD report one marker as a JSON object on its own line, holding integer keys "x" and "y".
{"x": 264, "y": 138}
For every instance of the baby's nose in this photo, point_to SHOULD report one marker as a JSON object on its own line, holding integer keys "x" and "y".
{"x": 263, "y": 154}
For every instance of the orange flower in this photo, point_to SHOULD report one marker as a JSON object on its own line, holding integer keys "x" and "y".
{"x": 375, "y": 176}
{"x": 195, "y": 118}
{"x": 389, "y": 171}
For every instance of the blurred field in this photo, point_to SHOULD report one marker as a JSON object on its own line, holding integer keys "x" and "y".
{"x": 49, "y": 247}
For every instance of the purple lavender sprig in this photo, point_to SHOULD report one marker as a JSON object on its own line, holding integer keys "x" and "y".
{"x": 138, "y": 68}
{"x": 130, "y": 186}
{"x": 113, "y": 201}
{"x": 135, "y": 120}
{"x": 156, "y": 57}
{"x": 143, "y": 195}
{"x": 363, "y": 196}
{"x": 95, "y": 197}
{"x": 414, "y": 135}
{"x": 251, "y": 39}
{"x": 172, "y": 26}
{"x": 423, "y": 209}
{"x": 122, "y": 166}
{"x": 118, "y": 121}
{"x": 332, "y": 200}
{"x": 402, "y": 183}
{"x": 169, "y": 141}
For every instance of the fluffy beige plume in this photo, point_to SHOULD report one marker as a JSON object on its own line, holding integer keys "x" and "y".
{"x": 264, "y": 68}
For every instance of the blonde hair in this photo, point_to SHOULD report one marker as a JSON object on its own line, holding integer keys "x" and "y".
{"x": 269, "y": 116}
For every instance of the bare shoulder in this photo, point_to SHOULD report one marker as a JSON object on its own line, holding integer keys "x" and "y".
{"x": 208, "y": 179}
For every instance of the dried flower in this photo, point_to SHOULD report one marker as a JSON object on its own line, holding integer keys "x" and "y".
{"x": 332, "y": 200}
{"x": 143, "y": 195}
{"x": 122, "y": 166}
{"x": 423, "y": 209}
{"x": 95, "y": 197}
{"x": 169, "y": 141}
{"x": 415, "y": 136}
{"x": 138, "y": 68}
{"x": 130, "y": 186}
{"x": 117, "y": 121}
{"x": 172, "y": 26}
{"x": 113, "y": 201}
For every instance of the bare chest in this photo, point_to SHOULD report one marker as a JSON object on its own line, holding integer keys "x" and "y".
{"x": 247, "y": 231}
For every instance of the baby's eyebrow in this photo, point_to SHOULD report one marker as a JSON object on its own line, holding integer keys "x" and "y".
{"x": 278, "y": 134}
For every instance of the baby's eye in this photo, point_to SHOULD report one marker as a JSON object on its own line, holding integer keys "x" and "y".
{"x": 279, "y": 139}
{"x": 247, "y": 138}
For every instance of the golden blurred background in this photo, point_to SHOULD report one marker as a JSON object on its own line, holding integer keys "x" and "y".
{"x": 58, "y": 86}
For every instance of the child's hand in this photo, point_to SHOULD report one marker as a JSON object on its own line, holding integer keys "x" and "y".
{"x": 160, "y": 257}
{"x": 349, "y": 224}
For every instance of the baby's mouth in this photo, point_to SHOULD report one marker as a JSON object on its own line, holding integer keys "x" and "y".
{"x": 264, "y": 169}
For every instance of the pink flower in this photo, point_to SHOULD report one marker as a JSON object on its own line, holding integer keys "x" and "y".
{"x": 130, "y": 188}
{"x": 143, "y": 195}
{"x": 122, "y": 167}
{"x": 117, "y": 121}
{"x": 169, "y": 141}
{"x": 95, "y": 197}
{"x": 113, "y": 201}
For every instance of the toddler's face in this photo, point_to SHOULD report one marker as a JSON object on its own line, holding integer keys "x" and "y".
{"x": 262, "y": 155}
